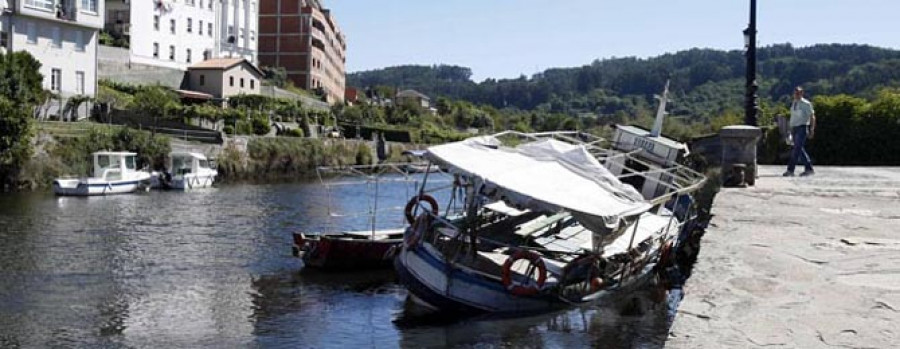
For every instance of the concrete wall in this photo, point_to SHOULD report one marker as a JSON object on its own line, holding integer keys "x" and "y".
{"x": 114, "y": 64}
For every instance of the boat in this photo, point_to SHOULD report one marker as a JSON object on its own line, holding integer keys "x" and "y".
{"x": 550, "y": 220}
{"x": 187, "y": 171}
{"x": 353, "y": 250}
{"x": 113, "y": 173}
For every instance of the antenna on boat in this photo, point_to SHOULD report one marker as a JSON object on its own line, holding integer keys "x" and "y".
{"x": 661, "y": 112}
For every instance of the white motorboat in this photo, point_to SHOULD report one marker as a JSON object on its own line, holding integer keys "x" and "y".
{"x": 114, "y": 173}
{"x": 186, "y": 171}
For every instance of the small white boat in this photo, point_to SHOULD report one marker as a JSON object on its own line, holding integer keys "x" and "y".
{"x": 114, "y": 173}
{"x": 187, "y": 171}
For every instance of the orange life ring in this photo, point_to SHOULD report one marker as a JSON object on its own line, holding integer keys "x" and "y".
{"x": 589, "y": 261}
{"x": 408, "y": 211}
{"x": 416, "y": 231}
{"x": 519, "y": 289}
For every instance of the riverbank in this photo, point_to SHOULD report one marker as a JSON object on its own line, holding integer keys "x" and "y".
{"x": 65, "y": 148}
{"x": 798, "y": 262}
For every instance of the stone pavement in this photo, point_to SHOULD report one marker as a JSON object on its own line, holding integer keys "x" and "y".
{"x": 800, "y": 262}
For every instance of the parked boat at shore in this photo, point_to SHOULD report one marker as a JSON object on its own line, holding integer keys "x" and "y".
{"x": 185, "y": 171}
{"x": 113, "y": 173}
{"x": 549, "y": 220}
{"x": 360, "y": 249}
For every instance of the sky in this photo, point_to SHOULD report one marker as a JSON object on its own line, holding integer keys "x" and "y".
{"x": 509, "y": 38}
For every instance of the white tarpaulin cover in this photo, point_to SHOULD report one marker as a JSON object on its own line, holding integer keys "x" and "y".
{"x": 544, "y": 175}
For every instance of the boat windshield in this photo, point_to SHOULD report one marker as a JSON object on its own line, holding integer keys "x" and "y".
{"x": 131, "y": 162}
{"x": 181, "y": 164}
{"x": 204, "y": 163}
{"x": 105, "y": 161}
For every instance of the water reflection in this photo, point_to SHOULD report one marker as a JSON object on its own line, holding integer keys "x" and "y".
{"x": 213, "y": 269}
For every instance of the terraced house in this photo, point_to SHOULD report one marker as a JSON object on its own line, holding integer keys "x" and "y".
{"x": 62, "y": 35}
{"x": 303, "y": 37}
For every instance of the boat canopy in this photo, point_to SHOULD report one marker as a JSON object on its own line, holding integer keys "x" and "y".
{"x": 543, "y": 175}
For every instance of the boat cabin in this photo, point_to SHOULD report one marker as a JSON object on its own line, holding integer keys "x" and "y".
{"x": 649, "y": 153}
{"x": 112, "y": 166}
{"x": 187, "y": 162}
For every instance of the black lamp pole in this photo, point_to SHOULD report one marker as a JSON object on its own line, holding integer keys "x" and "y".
{"x": 751, "y": 107}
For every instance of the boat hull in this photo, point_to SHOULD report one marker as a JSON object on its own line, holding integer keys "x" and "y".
{"x": 87, "y": 187}
{"x": 186, "y": 182}
{"x": 455, "y": 290}
{"x": 344, "y": 253}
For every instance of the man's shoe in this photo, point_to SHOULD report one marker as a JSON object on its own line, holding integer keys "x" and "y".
{"x": 807, "y": 173}
{"x": 788, "y": 174}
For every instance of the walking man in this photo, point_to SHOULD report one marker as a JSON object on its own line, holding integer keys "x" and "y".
{"x": 803, "y": 126}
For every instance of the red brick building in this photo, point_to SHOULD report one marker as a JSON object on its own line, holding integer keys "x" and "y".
{"x": 302, "y": 37}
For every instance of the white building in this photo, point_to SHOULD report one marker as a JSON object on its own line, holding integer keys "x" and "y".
{"x": 179, "y": 33}
{"x": 62, "y": 35}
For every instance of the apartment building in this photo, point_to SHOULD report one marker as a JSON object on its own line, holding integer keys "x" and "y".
{"x": 179, "y": 33}
{"x": 303, "y": 37}
{"x": 62, "y": 35}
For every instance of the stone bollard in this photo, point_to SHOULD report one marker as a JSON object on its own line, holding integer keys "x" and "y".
{"x": 739, "y": 143}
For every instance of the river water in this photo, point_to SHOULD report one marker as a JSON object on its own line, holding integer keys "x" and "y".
{"x": 214, "y": 268}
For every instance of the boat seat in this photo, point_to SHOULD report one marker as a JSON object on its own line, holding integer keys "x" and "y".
{"x": 539, "y": 224}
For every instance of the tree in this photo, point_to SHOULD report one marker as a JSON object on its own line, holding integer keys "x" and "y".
{"x": 15, "y": 137}
{"x": 156, "y": 101}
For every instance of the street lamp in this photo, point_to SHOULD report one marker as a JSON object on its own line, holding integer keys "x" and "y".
{"x": 751, "y": 104}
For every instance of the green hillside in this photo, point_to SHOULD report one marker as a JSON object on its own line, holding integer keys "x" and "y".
{"x": 705, "y": 83}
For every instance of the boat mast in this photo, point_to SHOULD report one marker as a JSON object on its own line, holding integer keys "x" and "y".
{"x": 660, "y": 112}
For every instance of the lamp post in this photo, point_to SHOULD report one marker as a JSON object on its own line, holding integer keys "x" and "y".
{"x": 751, "y": 104}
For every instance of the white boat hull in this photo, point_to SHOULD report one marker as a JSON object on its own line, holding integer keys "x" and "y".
{"x": 186, "y": 182}
{"x": 94, "y": 187}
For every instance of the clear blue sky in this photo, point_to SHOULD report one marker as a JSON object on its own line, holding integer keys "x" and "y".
{"x": 506, "y": 38}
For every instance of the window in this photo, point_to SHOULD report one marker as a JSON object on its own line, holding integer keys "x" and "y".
{"x": 32, "y": 33}
{"x": 242, "y": 82}
{"x": 156, "y": 22}
{"x": 172, "y": 26}
{"x": 243, "y": 32}
{"x": 210, "y": 4}
{"x": 57, "y": 37}
{"x": 55, "y": 80}
{"x": 41, "y": 4}
{"x": 202, "y": 79}
{"x": 209, "y": 27}
{"x": 252, "y": 84}
{"x": 155, "y": 50}
{"x": 4, "y": 39}
{"x": 79, "y": 82}
{"x": 187, "y": 54}
{"x": 230, "y": 30}
{"x": 252, "y": 35}
{"x": 207, "y": 54}
{"x": 79, "y": 40}
{"x": 200, "y": 27}
{"x": 190, "y": 26}
{"x": 201, "y": 3}
{"x": 231, "y": 81}
{"x": 89, "y": 5}
{"x": 171, "y": 52}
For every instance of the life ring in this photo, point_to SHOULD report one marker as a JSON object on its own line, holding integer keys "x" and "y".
{"x": 520, "y": 289}
{"x": 416, "y": 231}
{"x": 408, "y": 211}
{"x": 594, "y": 273}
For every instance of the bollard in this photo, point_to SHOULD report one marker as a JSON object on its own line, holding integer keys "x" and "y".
{"x": 739, "y": 143}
